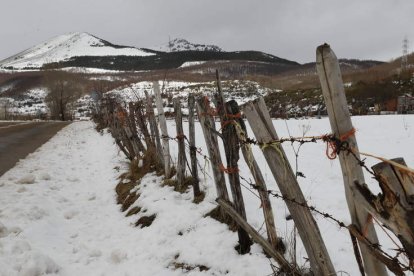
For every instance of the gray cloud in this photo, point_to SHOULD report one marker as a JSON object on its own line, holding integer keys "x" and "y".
{"x": 370, "y": 29}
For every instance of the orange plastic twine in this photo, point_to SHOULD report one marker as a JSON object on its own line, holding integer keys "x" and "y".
{"x": 228, "y": 170}
{"x": 333, "y": 146}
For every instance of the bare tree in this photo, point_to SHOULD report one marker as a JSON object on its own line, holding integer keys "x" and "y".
{"x": 5, "y": 104}
{"x": 64, "y": 89}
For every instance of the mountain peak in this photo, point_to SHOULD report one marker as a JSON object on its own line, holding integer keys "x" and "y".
{"x": 181, "y": 44}
{"x": 66, "y": 46}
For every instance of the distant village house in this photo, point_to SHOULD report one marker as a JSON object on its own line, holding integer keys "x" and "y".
{"x": 405, "y": 104}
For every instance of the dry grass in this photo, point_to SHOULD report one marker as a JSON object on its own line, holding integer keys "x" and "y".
{"x": 187, "y": 267}
{"x": 222, "y": 217}
{"x": 134, "y": 210}
{"x": 188, "y": 181}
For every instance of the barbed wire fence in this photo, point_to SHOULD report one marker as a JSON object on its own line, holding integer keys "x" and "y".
{"x": 390, "y": 208}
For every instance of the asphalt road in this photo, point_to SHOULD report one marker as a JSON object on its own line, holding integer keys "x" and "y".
{"x": 19, "y": 139}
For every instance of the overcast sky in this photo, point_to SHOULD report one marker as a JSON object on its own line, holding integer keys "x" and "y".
{"x": 291, "y": 29}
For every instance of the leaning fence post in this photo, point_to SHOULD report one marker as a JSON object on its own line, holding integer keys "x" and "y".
{"x": 142, "y": 125}
{"x": 193, "y": 149}
{"x": 164, "y": 130}
{"x": 233, "y": 108}
{"x": 333, "y": 92}
{"x": 133, "y": 125}
{"x": 154, "y": 129}
{"x": 231, "y": 147}
{"x": 208, "y": 126}
{"x": 181, "y": 144}
{"x": 262, "y": 127}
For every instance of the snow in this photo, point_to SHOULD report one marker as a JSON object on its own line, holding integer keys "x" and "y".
{"x": 191, "y": 63}
{"x": 180, "y": 44}
{"x": 67, "y": 223}
{"x": 32, "y": 103}
{"x": 241, "y": 91}
{"x": 66, "y": 46}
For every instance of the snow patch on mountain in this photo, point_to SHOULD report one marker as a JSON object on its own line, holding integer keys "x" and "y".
{"x": 66, "y": 46}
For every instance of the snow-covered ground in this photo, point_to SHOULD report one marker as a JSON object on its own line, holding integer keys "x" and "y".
{"x": 58, "y": 213}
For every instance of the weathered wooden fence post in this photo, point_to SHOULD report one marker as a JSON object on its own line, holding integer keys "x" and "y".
{"x": 268, "y": 248}
{"x": 231, "y": 147}
{"x": 164, "y": 130}
{"x": 193, "y": 149}
{"x": 233, "y": 108}
{"x": 181, "y": 144}
{"x": 397, "y": 202}
{"x": 333, "y": 92}
{"x": 142, "y": 125}
{"x": 132, "y": 120}
{"x": 115, "y": 131}
{"x": 209, "y": 128}
{"x": 154, "y": 129}
{"x": 264, "y": 131}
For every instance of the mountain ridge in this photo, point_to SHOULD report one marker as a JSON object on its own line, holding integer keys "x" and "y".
{"x": 88, "y": 51}
{"x": 66, "y": 46}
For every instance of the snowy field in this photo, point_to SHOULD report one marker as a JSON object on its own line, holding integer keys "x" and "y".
{"x": 58, "y": 214}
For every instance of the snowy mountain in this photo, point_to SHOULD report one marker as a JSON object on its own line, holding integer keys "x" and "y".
{"x": 67, "y": 46}
{"x": 180, "y": 45}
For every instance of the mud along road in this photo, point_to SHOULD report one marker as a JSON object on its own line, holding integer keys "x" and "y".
{"x": 18, "y": 139}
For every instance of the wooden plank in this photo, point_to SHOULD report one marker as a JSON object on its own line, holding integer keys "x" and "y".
{"x": 193, "y": 149}
{"x": 264, "y": 131}
{"x": 208, "y": 126}
{"x": 181, "y": 162}
{"x": 164, "y": 130}
{"x": 268, "y": 248}
{"x": 333, "y": 92}
{"x": 233, "y": 108}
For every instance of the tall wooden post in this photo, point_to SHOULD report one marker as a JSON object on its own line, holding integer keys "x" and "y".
{"x": 133, "y": 124}
{"x": 333, "y": 92}
{"x": 233, "y": 108}
{"x": 193, "y": 149}
{"x": 208, "y": 126}
{"x": 154, "y": 129}
{"x": 164, "y": 130}
{"x": 142, "y": 125}
{"x": 181, "y": 143}
{"x": 231, "y": 147}
{"x": 264, "y": 131}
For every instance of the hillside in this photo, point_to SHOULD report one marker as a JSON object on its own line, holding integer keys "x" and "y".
{"x": 86, "y": 50}
{"x": 67, "y": 46}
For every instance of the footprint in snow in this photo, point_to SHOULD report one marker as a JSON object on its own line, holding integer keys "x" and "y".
{"x": 118, "y": 256}
{"x": 44, "y": 176}
{"x": 72, "y": 179}
{"x": 70, "y": 214}
{"x": 27, "y": 179}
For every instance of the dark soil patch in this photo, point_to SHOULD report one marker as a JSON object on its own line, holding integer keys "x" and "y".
{"x": 188, "y": 267}
{"x": 199, "y": 198}
{"x": 145, "y": 221}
